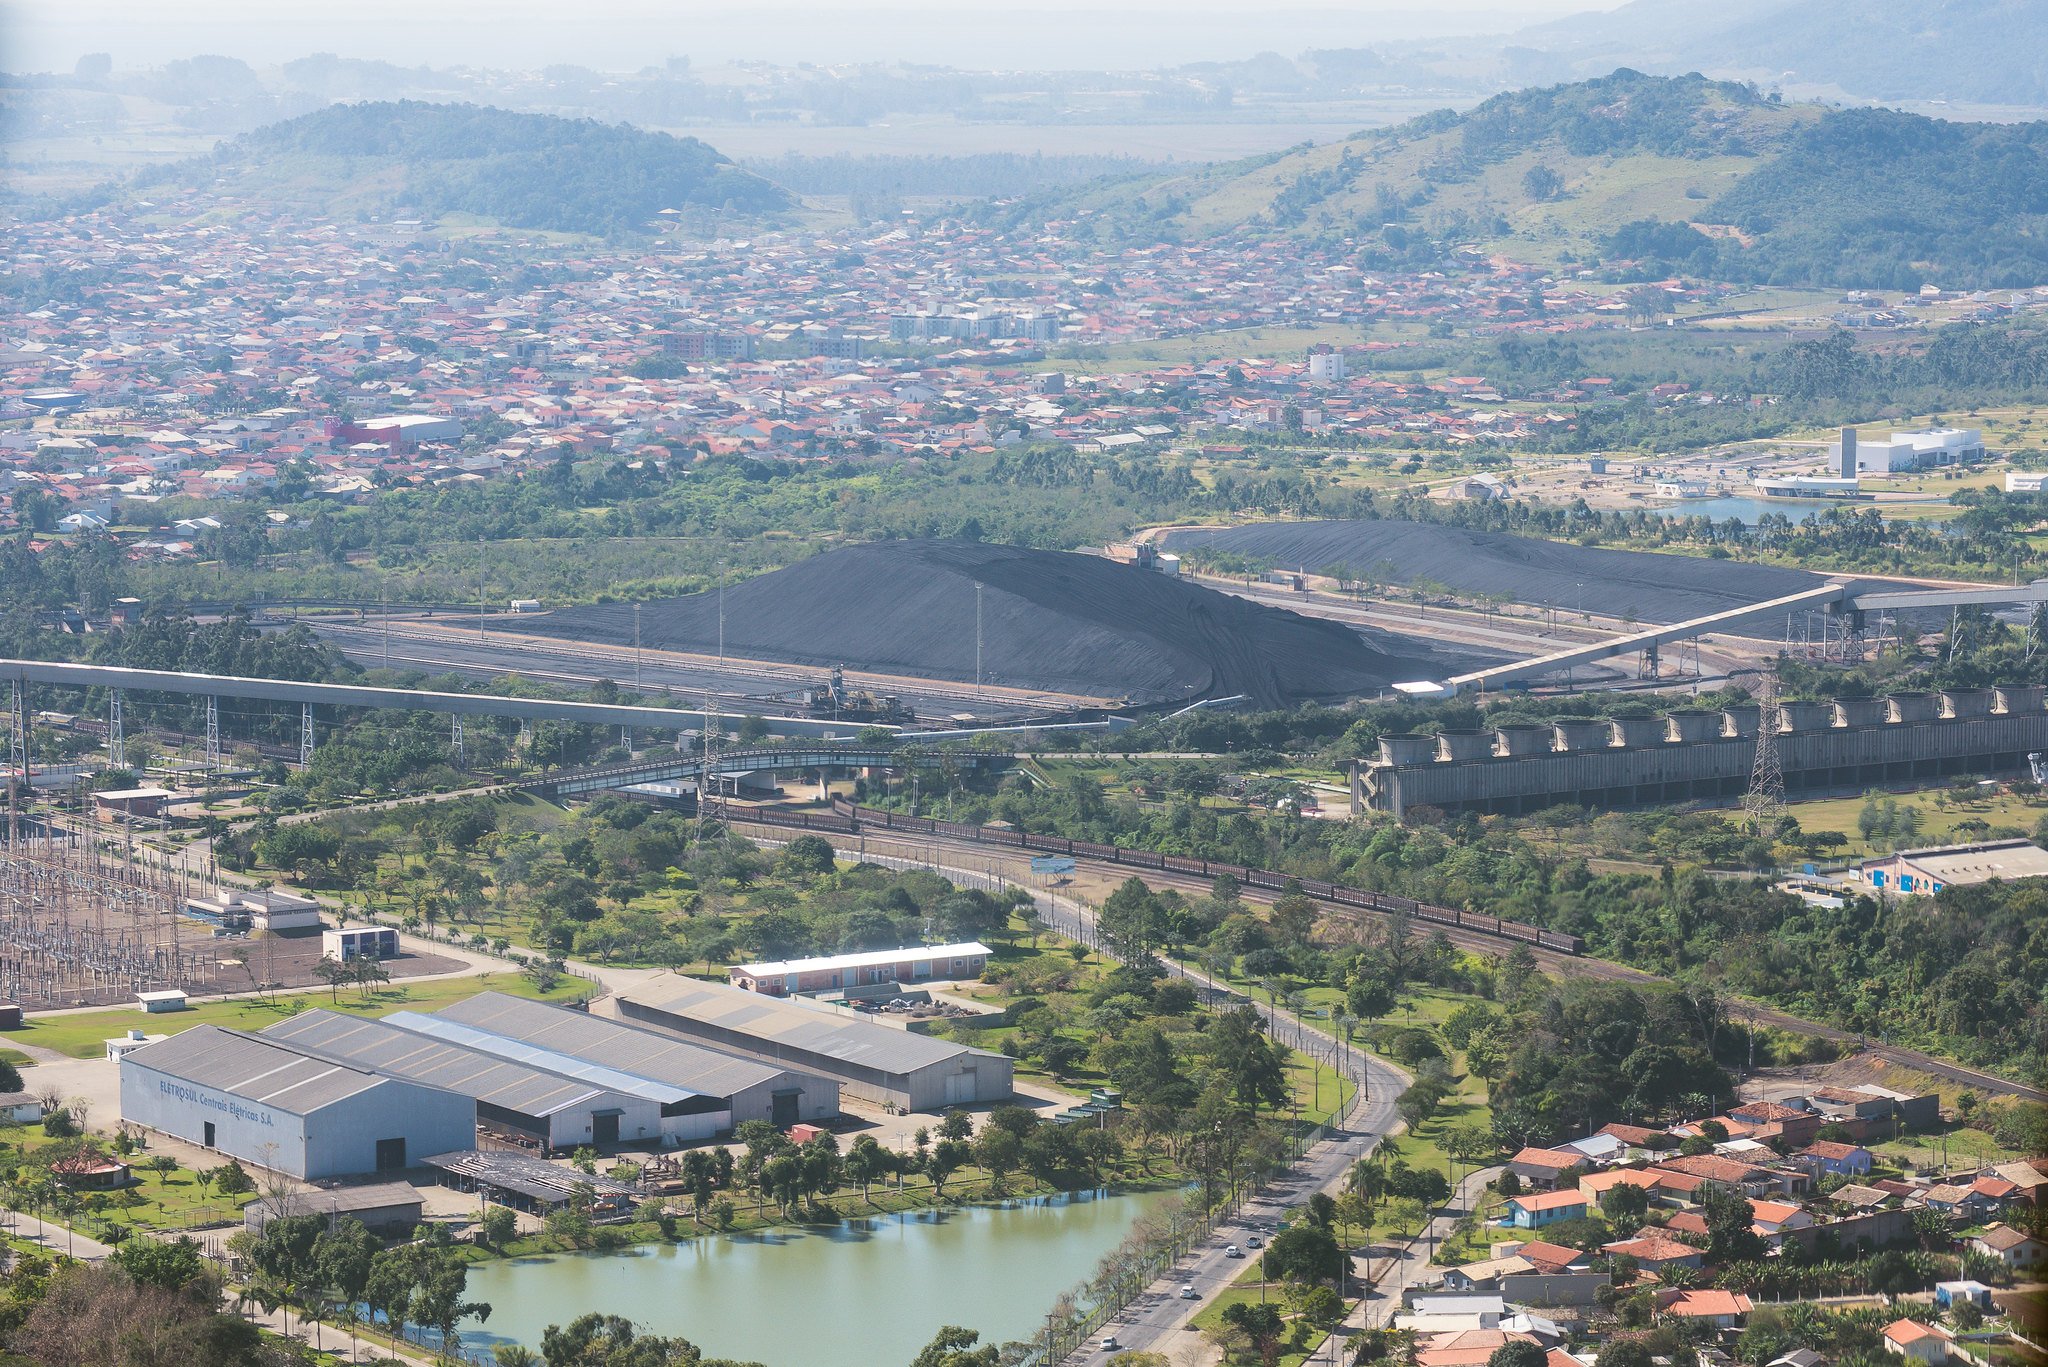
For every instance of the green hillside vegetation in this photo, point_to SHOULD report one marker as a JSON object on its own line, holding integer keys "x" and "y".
{"x": 515, "y": 170}
{"x": 1649, "y": 175}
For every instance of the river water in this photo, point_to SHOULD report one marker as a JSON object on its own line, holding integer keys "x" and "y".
{"x": 868, "y": 1293}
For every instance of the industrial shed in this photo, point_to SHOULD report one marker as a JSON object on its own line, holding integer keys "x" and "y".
{"x": 734, "y": 1090}
{"x": 874, "y": 1062}
{"x": 520, "y": 1102}
{"x": 269, "y": 1103}
{"x": 383, "y": 1207}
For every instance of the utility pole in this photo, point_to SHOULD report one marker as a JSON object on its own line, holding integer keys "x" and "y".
{"x": 977, "y": 641}
{"x": 384, "y": 611}
{"x": 480, "y": 588}
{"x": 636, "y": 646}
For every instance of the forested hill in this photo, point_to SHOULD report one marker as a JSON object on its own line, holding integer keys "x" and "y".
{"x": 515, "y": 170}
{"x": 1648, "y": 175}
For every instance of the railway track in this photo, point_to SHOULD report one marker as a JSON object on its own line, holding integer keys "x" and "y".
{"x": 1015, "y": 864}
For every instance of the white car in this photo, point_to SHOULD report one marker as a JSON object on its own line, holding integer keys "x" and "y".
{"x": 1110, "y": 1345}
{"x": 1188, "y": 1293}
{"x": 1232, "y": 1251}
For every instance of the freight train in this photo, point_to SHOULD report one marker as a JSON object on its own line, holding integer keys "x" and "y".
{"x": 847, "y": 817}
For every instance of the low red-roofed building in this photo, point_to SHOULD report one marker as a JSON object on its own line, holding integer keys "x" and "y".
{"x": 1655, "y": 1254}
{"x": 1911, "y": 1338}
{"x": 1544, "y": 1166}
{"x": 1721, "y": 1309}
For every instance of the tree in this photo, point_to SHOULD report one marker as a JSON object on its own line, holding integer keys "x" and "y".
{"x": 997, "y": 1151}
{"x": 865, "y": 1161}
{"x": 1517, "y": 1353}
{"x": 233, "y": 1179}
{"x": 1621, "y": 1352}
{"x": 1625, "y": 1205}
{"x": 1731, "y": 1236}
{"x": 807, "y": 855}
{"x": 500, "y": 1224}
{"x": 1370, "y": 998}
{"x": 1133, "y": 921}
{"x": 1303, "y": 1253}
{"x": 947, "y": 1157}
{"x": 1257, "y": 1321}
{"x": 1250, "y": 1065}
{"x": 1541, "y": 183}
{"x": 167, "y": 1264}
{"x": 595, "y": 1340}
{"x": 953, "y": 1346}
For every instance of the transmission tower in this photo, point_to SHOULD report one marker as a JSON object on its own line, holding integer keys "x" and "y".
{"x": 1764, "y": 803}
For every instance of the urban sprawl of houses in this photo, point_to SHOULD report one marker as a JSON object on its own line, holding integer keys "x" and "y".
{"x": 211, "y": 361}
{"x": 1803, "y": 1166}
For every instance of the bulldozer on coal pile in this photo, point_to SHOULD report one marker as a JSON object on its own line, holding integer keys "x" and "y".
{"x": 837, "y": 701}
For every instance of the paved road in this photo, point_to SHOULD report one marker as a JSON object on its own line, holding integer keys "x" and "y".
{"x": 1157, "y": 1320}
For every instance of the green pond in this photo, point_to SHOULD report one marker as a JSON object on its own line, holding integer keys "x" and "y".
{"x": 868, "y": 1293}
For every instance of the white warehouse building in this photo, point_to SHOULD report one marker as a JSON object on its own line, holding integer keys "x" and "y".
{"x": 877, "y": 1063}
{"x": 1911, "y": 450}
{"x": 277, "y": 1107}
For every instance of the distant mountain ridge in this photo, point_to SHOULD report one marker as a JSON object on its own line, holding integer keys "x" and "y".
{"x": 519, "y": 170}
{"x": 1649, "y": 175}
{"x": 1977, "y": 51}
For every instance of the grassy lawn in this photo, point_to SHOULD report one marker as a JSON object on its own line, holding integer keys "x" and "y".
{"x": 171, "y": 1202}
{"x": 1958, "y": 1147}
{"x": 1248, "y": 1290}
{"x": 1939, "y": 810}
{"x": 17, "y": 1058}
{"x": 85, "y": 1035}
{"x": 1319, "y": 1091}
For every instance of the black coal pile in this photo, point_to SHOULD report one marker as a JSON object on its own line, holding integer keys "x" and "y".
{"x": 1049, "y": 620}
{"x": 1650, "y": 586}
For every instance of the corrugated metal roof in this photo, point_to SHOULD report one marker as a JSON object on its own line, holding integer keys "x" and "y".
{"x": 826, "y": 1033}
{"x": 255, "y": 1068}
{"x": 532, "y": 1055}
{"x": 663, "y": 1058}
{"x": 385, "y": 1048}
{"x": 873, "y": 958}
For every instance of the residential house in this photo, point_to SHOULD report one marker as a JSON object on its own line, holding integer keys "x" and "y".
{"x": 1535, "y": 1210}
{"x": 1965, "y": 1203}
{"x": 1550, "y": 1257}
{"x": 1912, "y": 1339}
{"x": 2014, "y": 1248}
{"x": 1598, "y": 1150}
{"x": 1828, "y": 1158}
{"x": 1777, "y": 1121}
{"x": 1799, "y": 1357}
{"x": 1486, "y": 1274}
{"x": 1716, "y": 1308}
{"x": 1772, "y": 1218}
{"x": 1653, "y": 1254}
{"x": 1594, "y": 1186}
{"x": 1731, "y": 1174}
{"x": 1542, "y": 1167}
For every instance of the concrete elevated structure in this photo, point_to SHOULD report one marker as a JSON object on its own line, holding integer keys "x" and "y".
{"x": 1849, "y": 744}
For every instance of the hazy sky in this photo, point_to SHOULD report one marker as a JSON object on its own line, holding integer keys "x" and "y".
{"x": 50, "y": 35}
